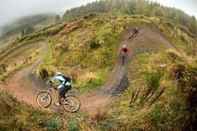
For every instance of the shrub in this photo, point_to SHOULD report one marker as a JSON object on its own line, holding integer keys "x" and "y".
{"x": 73, "y": 125}
{"x": 153, "y": 79}
{"x": 54, "y": 124}
{"x": 94, "y": 44}
{"x": 158, "y": 117}
{"x": 92, "y": 84}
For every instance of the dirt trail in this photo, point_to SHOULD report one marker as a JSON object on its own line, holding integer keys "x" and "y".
{"x": 24, "y": 86}
{"x": 145, "y": 40}
{"x": 20, "y": 86}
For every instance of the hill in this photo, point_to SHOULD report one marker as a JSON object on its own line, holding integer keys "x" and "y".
{"x": 154, "y": 90}
{"x": 28, "y": 24}
{"x": 134, "y": 7}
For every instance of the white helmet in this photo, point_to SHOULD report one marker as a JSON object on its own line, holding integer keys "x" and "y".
{"x": 58, "y": 73}
{"x": 124, "y": 46}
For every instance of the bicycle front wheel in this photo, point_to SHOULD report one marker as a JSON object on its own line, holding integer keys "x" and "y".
{"x": 71, "y": 104}
{"x": 44, "y": 99}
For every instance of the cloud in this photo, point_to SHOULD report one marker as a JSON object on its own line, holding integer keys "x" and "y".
{"x": 12, "y": 9}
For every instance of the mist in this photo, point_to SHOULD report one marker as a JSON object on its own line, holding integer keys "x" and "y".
{"x": 11, "y": 10}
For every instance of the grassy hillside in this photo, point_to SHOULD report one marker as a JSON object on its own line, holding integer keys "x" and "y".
{"x": 161, "y": 96}
{"x": 134, "y": 7}
{"x": 97, "y": 51}
{"x": 18, "y": 116}
{"x": 162, "y": 83}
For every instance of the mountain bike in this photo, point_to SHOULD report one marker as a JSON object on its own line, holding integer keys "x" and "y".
{"x": 70, "y": 103}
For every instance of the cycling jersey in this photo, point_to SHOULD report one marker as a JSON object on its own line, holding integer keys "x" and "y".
{"x": 64, "y": 81}
{"x": 125, "y": 50}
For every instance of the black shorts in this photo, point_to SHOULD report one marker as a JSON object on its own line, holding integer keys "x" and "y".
{"x": 62, "y": 91}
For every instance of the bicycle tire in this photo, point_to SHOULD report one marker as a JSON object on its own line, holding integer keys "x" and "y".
{"x": 46, "y": 93}
{"x": 68, "y": 101}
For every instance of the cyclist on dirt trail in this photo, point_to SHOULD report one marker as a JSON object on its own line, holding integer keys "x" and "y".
{"x": 134, "y": 32}
{"x": 124, "y": 53}
{"x": 63, "y": 87}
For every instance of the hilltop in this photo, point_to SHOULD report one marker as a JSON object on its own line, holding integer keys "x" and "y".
{"x": 155, "y": 90}
{"x": 26, "y": 25}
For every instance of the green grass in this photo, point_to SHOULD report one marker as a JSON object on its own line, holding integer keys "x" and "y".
{"x": 169, "y": 110}
{"x": 54, "y": 124}
{"x": 92, "y": 83}
{"x": 18, "y": 116}
{"x": 73, "y": 125}
{"x": 152, "y": 79}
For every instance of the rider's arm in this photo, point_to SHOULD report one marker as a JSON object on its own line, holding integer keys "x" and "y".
{"x": 58, "y": 78}
{"x": 53, "y": 80}
{"x": 68, "y": 83}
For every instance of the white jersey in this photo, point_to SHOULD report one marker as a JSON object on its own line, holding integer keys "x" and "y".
{"x": 63, "y": 81}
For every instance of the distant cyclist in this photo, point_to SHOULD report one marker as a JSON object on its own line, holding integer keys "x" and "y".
{"x": 124, "y": 53}
{"x": 134, "y": 32}
{"x": 64, "y": 85}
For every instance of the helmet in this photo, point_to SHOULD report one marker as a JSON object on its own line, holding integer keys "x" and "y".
{"x": 58, "y": 73}
{"x": 124, "y": 46}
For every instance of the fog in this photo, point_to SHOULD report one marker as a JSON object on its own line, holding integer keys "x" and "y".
{"x": 13, "y": 9}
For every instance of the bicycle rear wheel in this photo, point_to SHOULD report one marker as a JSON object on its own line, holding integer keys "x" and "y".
{"x": 44, "y": 99}
{"x": 71, "y": 104}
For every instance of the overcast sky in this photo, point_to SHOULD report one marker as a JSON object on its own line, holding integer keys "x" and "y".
{"x": 12, "y": 9}
{"x": 189, "y": 6}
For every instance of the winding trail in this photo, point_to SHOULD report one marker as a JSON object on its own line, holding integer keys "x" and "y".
{"x": 24, "y": 85}
{"x": 146, "y": 40}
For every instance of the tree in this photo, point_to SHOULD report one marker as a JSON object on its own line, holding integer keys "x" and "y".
{"x": 193, "y": 25}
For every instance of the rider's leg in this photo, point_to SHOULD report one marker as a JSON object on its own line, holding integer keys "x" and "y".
{"x": 123, "y": 59}
{"x": 67, "y": 88}
{"x": 61, "y": 93}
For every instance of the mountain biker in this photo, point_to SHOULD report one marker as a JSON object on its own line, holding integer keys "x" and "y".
{"x": 63, "y": 87}
{"x": 124, "y": 52}
{"x": 134, "y": 32}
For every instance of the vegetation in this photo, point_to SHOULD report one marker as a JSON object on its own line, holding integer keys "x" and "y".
{"x": 134, "y": 7}
{"x": 164, "y": 108}
{"x": 162, "y": 90}
{"x": 18, "y": 116}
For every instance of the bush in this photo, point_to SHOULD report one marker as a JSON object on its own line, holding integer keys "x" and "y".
{"x": 153, "y": 80}
{"x": 54, "y": 124}
{"x": 94, "y": 44}
{"x": 92, "y": 84}
{"x": 73, "y": 125}
{"x": 159, "y": 117}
